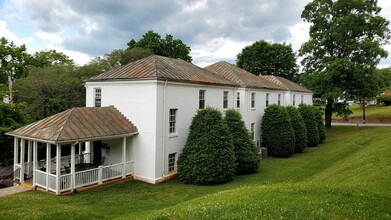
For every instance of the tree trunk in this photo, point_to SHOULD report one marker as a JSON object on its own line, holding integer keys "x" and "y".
{"x": 363, "y": 110}
{"x": 328, "y": 112}
{"x": 10, "y": 96}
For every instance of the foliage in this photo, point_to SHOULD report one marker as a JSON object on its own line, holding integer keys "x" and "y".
{"x": 168, "y": 46}
{"x": 311, "y": 125}
{"x": 9, "y": 120}
{"x": 299, "y": 129}
{"x": 277, "y": 132}
{"x": 346, "y": 39}
{"x": 49, "y": 58}
{"x": 384, "y": 99}
{"x": 263, "y": 58}
{"x": 246, "y": 153}
{"x": 50, "y": 90}
{"x": 314, "y": 185}
{"x": 319, "y": 121}
{"x": 208, "y": 156}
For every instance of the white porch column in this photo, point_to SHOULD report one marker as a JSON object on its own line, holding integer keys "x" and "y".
{"x": 73, "y": 182}
{"x": 58, "y": 169}
{"x": 16, "y": 149}
{"x": 123, "y": 157}
{"x": 29, "y": 165}
{"x": 22, "y": 166}
{"x": 35, "y": 161}
{"x": 48, "y": 164}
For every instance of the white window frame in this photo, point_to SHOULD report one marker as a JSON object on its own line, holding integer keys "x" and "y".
{"x": 172, "y": 121}
{"x": 201, "y": 99}
{"x": 97, "y": 97}
{"x": 267, "y": 99}
{"x": 253, "y": 100}
{"x": 172, "y": 162}
{"x": 225, "y": 99}
{"x": 238, "y": 100}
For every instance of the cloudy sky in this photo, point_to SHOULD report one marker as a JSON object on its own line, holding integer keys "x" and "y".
{"x": 214, "y": 29}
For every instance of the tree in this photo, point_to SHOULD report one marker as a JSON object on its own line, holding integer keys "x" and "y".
{"x": 263, "y": 58}
{"x": 12, "y": 64}
{"x": 299, "y": 129}
{"x": 319, "y": 122}
{"x": 168, "y": 46}
{"x": 277, "y": 132}
{"x": 49, "y": 58}
{"x": 346, "y": 39}
{"x": 246, "y": 153}
{"x": 208, "y": 156}
{"x": 310, "y": 123}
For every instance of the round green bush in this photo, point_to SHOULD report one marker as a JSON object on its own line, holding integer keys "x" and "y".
{"x": 277, "y": 132}
{"x": 299, "y": 129}
{"x": 246, "y": 153}
{"x": 208, "y": 156}
{"x": 310, "y": 122}
{"x": 319, "y": 122}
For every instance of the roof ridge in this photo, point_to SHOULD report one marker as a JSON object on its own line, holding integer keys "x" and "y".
{"x": 66, "y": 122}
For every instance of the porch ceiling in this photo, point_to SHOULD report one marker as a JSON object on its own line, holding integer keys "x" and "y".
{"x": 78, "y": 124}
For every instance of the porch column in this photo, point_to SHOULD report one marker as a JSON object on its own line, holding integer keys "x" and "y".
{"x": 22, "y": 166}
{"x": 35, "y": 158}
{"x": 73, "y": 182}
{"x": 29, "y": 148}
{"x": 58, "y": 169}
{"x": 16, "y": 149}
{"x": 48, "y": 164}
{"x": 123, "y": 157}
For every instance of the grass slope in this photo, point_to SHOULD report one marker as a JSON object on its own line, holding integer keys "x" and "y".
{"x": 346, "y": 177}
{"x": 370, "y": 111}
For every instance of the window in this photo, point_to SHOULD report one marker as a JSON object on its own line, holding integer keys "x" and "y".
{"x": 171, "y": 162}
{"x": 279, "y": 99}
{"x": 98, "y": 97}
{"x": 201, "y": 104}
{"x": 267, "y": 99}
{"x": 252, "y": 130}
{"x": 253, "y": 100}
{"x": 238, "y": 100}
{"x": 172, "y": 120}
{"x": 302, "y": 99}
{"x": 294, "y": 100}
{"x": 225, "y": 100}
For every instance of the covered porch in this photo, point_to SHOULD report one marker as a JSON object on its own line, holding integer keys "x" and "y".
{"x": 75, "y": 148}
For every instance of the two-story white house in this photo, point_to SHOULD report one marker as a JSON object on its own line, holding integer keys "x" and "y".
{"x": 160, "y": 96}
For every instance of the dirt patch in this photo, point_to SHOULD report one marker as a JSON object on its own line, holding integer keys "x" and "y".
{"x": 368, "y": 120}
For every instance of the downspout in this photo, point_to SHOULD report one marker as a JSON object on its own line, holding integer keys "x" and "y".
{"x": 164, "y": 126}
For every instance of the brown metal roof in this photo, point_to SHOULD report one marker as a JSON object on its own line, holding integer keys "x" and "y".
{"x": 241, "y": 76}
{"x": 286, "y": 84}
{"x": 83, "y": 123}
{"x": 163, "y": 68}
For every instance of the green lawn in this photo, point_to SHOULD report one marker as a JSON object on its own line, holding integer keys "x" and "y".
{"x": 370, "y": 111}
{"x": 347, "y": 177}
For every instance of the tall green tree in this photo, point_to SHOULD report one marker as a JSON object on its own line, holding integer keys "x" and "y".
{"x": 264, "y": 58}
{"x": 167, "y": 46}
{"x": 345, "y": 45}
{"x": 12, "y": 64}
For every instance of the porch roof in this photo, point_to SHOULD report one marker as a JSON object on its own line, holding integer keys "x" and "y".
{"x": 78, "y": 124}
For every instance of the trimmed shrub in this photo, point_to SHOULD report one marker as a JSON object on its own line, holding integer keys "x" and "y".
{"x": 299, "y": 129}
{"x": 310, "y": 122}
{"x": 208, "y": 156}
{"x": 246, "y": 153}
{"x": 319, "y": 122}
{"x": 277, "y": 132}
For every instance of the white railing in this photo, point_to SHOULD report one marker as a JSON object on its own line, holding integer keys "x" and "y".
{"x": 86, "y": 177}
{"x": 111, "y": 171}
{"x": 66, "y": 182}
{"x": 40, "y": 178}
{"x": 17, "y": 171}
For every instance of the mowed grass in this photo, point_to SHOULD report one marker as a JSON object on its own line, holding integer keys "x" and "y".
{"x": 370, "y": 111}
{"x": 347, "y": 177}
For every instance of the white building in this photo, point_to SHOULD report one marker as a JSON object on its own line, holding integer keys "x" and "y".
{"x": 160, "y": 96}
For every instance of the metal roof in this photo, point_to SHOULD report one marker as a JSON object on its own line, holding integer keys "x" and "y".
{"x": 286, "y": 84}
{"x": 78, "y": 124}
{"x": 241, "y": 76}
{"x": 162, "y": 68}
